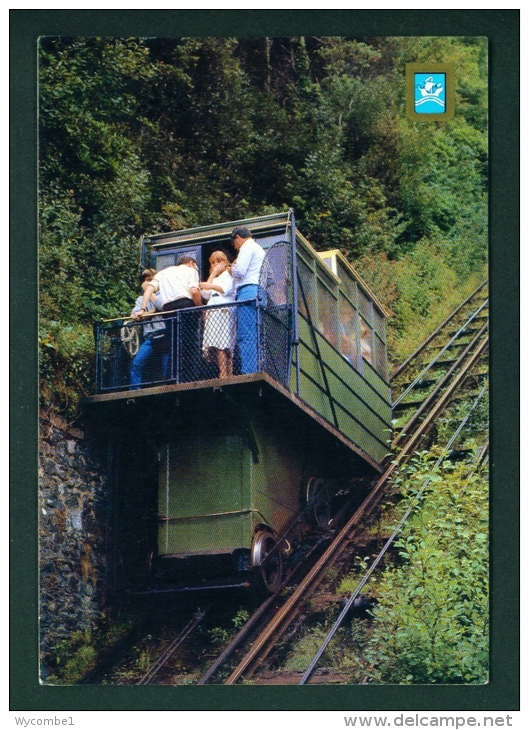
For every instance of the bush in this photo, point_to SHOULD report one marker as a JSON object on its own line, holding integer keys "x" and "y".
{"x": 431, "y": 620}
{"x": 421, "y": 288}
{"x": 66, "y": 360}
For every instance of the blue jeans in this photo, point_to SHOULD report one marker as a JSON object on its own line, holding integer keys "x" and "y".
{"x": 139, "y": 361}
{"x": 247, "y": 327}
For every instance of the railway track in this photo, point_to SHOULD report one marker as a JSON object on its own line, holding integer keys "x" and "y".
{"x": 413, "y": 381}
{"x": 424, "y": 384}
{"x": 453, "y": 353}
{"x": 170, "y": 650}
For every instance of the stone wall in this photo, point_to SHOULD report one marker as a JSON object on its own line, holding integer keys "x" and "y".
{"x": 72, "y": 534}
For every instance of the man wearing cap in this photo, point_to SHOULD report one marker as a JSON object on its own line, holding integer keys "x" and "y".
{"x": 178, "y": 288}
{"x": 246, "y": 270}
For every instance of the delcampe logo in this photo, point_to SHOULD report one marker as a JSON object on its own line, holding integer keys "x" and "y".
{"x": 430, "y": 91}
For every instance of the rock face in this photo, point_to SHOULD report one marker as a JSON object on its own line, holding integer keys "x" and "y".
{"x": 72, "y": 533}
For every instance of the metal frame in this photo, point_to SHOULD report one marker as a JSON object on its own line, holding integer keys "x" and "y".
{"x": 320, "y": 375}
{"x": 174, "y": 325}
{"x": 318, "y": 355}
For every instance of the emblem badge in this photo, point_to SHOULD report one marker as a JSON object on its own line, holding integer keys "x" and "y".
{"x": 430, "y": 91}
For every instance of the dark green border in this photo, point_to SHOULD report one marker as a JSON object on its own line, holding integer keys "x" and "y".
{"x": 449, "y": 71}
{"x": 502, "y": 29}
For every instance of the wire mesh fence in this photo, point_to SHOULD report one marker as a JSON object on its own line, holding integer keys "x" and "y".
{"x": 204, "y": 343}
{"x": 189, "y": 345}
{"x": 276, "y": 323}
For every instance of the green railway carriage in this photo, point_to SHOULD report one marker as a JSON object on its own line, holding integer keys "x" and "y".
{"x": 246, "y": 462}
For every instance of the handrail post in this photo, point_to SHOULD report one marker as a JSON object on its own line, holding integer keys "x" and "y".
{"x": 295, "y": 334}
{"x": 177, "y": 332}
{"x": 259, "y": 314}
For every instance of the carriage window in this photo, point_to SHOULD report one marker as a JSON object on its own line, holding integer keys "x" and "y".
{"x": 348, "y": 341}
{"x": 326, "y": 279}
{"x": 380, "y": 357}
{"x": 329, "y": 260}
{"x": 327, "y": 314}
{"x": 162, "y": 261}
{"x": 365, "y": 306}
{"x": 169, "y": 257}
{"x": 348, "y": 283}
{"x": 307, "y": 281}
{"x": 366, "y": 341}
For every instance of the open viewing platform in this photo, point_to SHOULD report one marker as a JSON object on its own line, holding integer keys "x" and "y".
{"x": 315, "y": 333}
{"x": 172, "y": 349}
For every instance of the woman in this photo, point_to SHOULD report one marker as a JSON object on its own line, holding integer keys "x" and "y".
{"x": 219, "y": 326}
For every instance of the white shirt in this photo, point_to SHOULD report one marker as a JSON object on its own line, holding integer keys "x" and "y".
{"x": 225, "y": 282}
{"x": 175, "y": 282}
{"x": 247, "y": 267}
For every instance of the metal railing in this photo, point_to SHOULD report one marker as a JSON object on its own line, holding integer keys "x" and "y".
{"x": 194, "y": 344}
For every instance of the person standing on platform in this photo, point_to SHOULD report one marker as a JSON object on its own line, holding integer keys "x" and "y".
{"x": 218, "y": 340}
{"x": 178, "y": 288}
{"x": 246, "y": 270}
{"x": 153, "y": 339}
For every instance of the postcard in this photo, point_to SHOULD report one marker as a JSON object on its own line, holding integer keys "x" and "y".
{"x": 263, "y": 321}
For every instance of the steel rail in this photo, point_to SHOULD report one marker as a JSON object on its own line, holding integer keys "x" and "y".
{"x": 398, "y": 529}
{"x": 262, "y": 646}
{"x": 441, "y": 384}
{"x": 251, "y": 623}
{"x": 441, "y": 352}
{"x": 481, "y": 456}
{"x": 173, "y": 646}
{"x": 427, "y": 341}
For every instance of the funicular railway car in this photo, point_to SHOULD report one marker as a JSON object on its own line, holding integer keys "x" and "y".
{"x": 225, "y": 473}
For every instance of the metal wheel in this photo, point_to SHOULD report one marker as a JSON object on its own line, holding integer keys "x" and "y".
{"x": 319, "y": 513}
{"x": 130, "y": 339}
{"x": 267, "y": 568}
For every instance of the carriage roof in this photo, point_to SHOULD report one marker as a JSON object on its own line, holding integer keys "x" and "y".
{"x": 266, "y": 227}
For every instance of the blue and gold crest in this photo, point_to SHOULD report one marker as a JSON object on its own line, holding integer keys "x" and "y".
{"x": 430, "y": 91}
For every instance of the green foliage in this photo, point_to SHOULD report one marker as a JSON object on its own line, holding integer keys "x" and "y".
{"x": 73, "y": 658}
{"x": 145, "y": 135}
{"x": 420, "y": 288}
{"x": 219, "y": 635}
{"x": 94, "y": 187}
{"x": 222, "y": 634}
{"x": 66, "y": 361}
{"x": 240, "y": 618}
{"x": 431, "y": 620}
